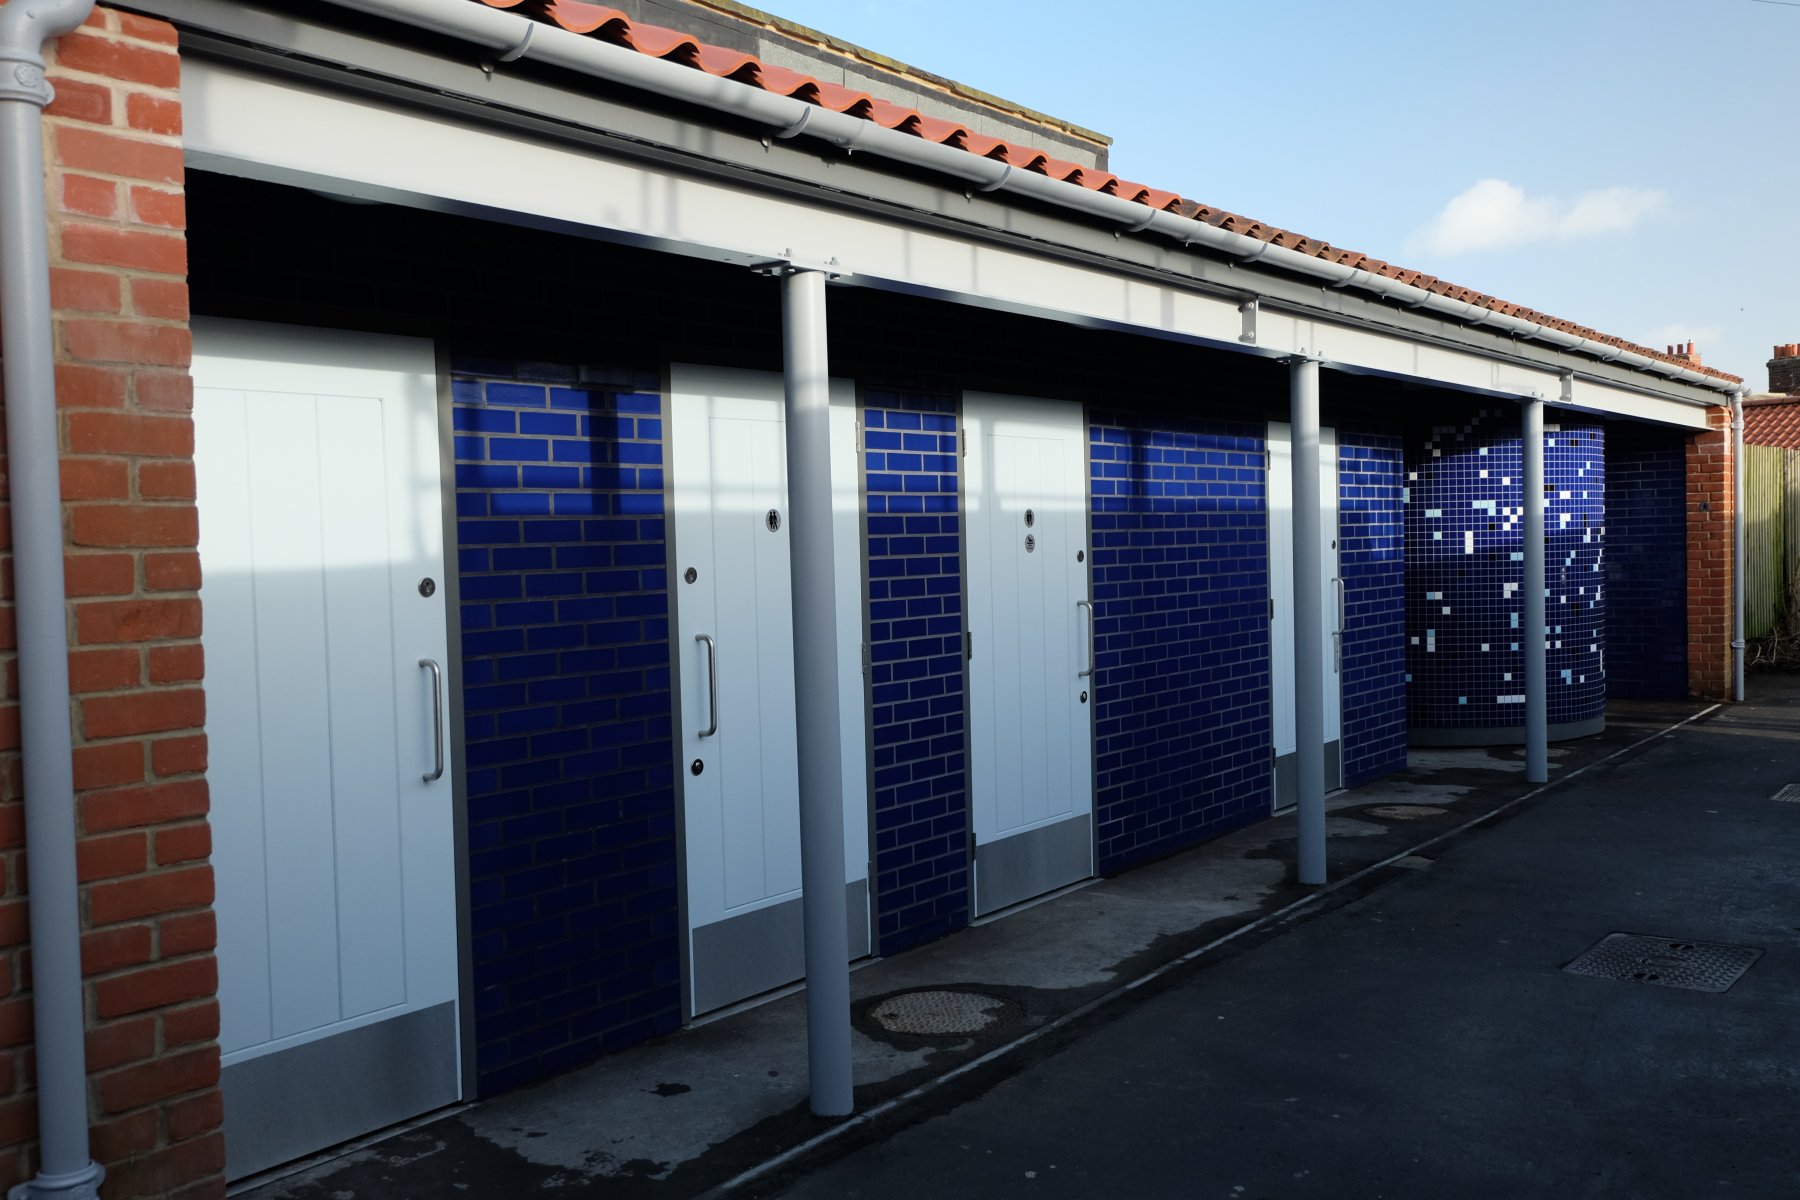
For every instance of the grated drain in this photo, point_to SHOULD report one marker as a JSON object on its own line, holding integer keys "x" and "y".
{"x": 1406, "y": 812}
{"x": 937, "y": 1012}
{"x": 1666, "y": 962}
{"x": 1789, "y": 794}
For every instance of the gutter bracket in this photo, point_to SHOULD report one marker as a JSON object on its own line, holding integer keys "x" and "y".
{"x": 1006, "y": 171}
{"x": 519, "y": 49}
{"x": 794, "y": 129}
{"x": 512, "y": 54}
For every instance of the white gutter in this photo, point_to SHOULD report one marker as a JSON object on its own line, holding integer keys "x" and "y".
{"x": 514, "y": 37}
{"x": 35, "y": 477}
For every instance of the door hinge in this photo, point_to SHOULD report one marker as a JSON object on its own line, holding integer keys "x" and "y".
{"x": 1271, "y": 608}
{"x": 968, "y": 644}
{"x": 859, "y": 435}
{"x": 865, "y": 659}
{"x": 971, "y": 845}
{"x": 962, "y": 440}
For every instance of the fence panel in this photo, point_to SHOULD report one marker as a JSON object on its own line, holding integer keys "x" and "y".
{"x": 1791, "y": 516}
{"x": 1767, "y": 539}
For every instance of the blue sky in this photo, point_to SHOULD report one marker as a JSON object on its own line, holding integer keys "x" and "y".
{"x": 1633, "y": 165}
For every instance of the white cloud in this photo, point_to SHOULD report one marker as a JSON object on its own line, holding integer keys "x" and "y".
{"x": 1495, "y": 214}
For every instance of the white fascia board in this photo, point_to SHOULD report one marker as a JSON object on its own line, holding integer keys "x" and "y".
{"x": 240, "y": 122}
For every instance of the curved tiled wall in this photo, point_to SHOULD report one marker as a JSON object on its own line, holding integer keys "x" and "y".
{"x": 1464, "y": 507}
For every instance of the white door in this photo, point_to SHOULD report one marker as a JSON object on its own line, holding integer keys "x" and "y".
{"x": 1281, "y": 616}
{"x": 735, "y": 642}
{"x": 316, "y": 456}
{"x": 1031, "y": 624}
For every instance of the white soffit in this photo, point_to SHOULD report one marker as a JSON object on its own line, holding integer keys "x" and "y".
{"x": 283, "y": 131}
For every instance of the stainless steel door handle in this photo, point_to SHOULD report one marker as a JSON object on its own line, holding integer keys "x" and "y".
{"x": 712, "y": 682}
{"x": 1337, "y": 635}
{"x": 1089, "y": 605}
{"x": 437, "y": 720}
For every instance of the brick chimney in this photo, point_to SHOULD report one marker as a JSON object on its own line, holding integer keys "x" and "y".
{"x": 1686, "y": 352}
{"x": 1784, "y": 369}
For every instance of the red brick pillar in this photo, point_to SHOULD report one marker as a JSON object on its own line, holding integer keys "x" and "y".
{"x": 1711, "y": 510}
{"x": 119, "y": 292}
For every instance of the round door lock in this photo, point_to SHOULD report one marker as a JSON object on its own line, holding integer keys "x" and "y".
{"x": 1084, "y": 697}
{"x": 1081, "y": 556}
{"x": 690, "y": 574}
{"x": 773, "y": 520}
{"x": 1030, "y": 542}
{"x": 1030, "y": 518}
{"x": 695, "y": 767}
{"x": 427, "y": 586}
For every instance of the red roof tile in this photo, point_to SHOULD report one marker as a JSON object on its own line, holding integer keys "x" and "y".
{"x": 611, "y": 25}
{"x": 1772, "y": 421}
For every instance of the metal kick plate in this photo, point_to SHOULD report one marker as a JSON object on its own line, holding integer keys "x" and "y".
{"x": 1666, "y": 962}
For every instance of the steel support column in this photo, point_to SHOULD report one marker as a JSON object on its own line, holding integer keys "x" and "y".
{"x": 808, "y": 378}
{"x": 1309, "y": 614}
{"x": 1532, "y": 636}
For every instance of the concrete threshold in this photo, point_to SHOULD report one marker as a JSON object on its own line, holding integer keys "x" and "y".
{"x": 723, "y": 1103}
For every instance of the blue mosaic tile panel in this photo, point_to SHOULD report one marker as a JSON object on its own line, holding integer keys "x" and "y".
{"x": 1181, "y": 632}
{"x": 562, "y": 567}
{"x": 1465, "y": 567}
{"x": 918, "y": 684}
{"x": 1646, "y": 566}
{"x": 1372, "y": 561}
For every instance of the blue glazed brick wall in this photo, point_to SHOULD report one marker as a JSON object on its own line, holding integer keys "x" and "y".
{"x": 1181, "y": 632}
{"x": 917, "y": 681}
{"x": 1646, "y": 562}
{"x": 1465, "y": 569}
{"x": 572, "y": 853}
{"x": 1372, "y": 561}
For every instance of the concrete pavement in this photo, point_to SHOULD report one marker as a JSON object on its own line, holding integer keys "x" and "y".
{"x": 1437, "y": 1018}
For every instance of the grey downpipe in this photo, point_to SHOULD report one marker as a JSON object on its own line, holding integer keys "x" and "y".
{"x": 65, "y": 1170}
{"x": 824, "y": 917}
{"x": 1309, "y": 614}
{"x": 514, "y": 37}
{"x": 1738, "y": 630}
{"x": 1537, "y": 668}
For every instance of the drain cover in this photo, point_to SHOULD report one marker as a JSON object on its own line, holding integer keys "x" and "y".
{"x": 1406, "y": 812}
{"x": 936, "y": 1012}
{"x": 1789, "y": 794}
{"x": 1666, "y": 962}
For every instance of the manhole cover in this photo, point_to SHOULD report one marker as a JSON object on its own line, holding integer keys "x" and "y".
{"x": 1789, "y": 794}
{"x": 929, "y": 1013}
{"x": 1666, "y": 962}
{"x": 1406, "y": 812}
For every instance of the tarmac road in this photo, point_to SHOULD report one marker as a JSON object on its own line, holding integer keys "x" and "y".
{"x": 1424, "y": 1041}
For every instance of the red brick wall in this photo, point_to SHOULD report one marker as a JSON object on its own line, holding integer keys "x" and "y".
{"x": 1709, "y": 545}
{"x": 119, "y": 290}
